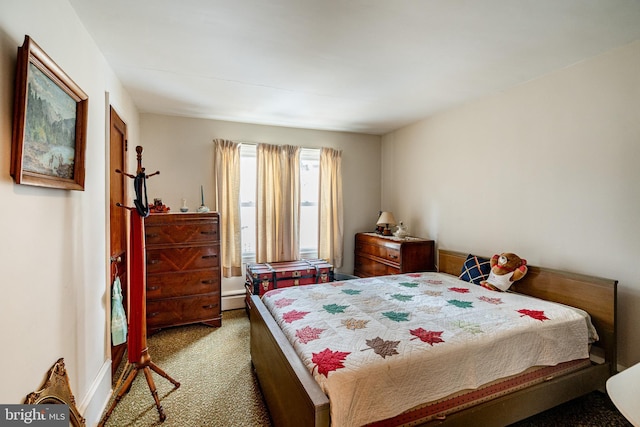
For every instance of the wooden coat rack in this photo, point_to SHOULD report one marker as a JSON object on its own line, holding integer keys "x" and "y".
{"x": 139, "y": 358}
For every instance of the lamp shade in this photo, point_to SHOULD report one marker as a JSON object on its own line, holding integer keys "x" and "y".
{"x": 386, "y": 218}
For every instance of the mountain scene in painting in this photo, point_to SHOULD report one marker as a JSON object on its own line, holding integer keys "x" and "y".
{"x": 49, "y": 135}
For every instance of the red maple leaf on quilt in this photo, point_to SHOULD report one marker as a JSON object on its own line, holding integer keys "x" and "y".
{"x": 283, "y": 302}
{"x": 534, "y": 314}
{"x": 431, "y": 337}
{"x": 293, "y": 315}
{"x": 460, "y": 290}
{"x": 414, "y": 274}
{"x": 327, "y": 360}
{"x": 308, "y": 333}
{"x": 272, "y": 293}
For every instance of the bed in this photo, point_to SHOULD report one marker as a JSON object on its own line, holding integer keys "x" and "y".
{"x": 294, "y": 398}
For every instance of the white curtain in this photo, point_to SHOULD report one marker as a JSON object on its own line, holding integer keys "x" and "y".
{"x": 226, "y": 184}
{"x": 278, "y": 203}
{"x": 330, "y": 230}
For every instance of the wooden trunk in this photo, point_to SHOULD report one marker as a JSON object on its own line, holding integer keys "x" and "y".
{"x": 263, "y": 277}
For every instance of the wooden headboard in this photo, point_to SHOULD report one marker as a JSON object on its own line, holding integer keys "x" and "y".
{"x": 595, "y": 295}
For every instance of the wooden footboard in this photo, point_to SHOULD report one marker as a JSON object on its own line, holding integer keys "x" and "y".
{"x": 293, "y": 396}
{"x": 295, "y": 399}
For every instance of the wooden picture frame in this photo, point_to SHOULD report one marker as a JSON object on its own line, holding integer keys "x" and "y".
{"x": 49, "y": 123}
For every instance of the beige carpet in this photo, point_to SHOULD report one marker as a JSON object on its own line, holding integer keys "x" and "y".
{"x": 217, "y": 387}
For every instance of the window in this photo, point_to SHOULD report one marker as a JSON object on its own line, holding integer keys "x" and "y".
{"x": 309, "y": 193}
{"x": 248, "y": 193}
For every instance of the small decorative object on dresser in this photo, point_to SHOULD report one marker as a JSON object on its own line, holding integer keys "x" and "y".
{"x": 401, "y": 231}
{"x": 159, "y": 207}
{"x": 377, "y": 255}
{"x": 202, "y": 208}
{"x": 183, "y": 270}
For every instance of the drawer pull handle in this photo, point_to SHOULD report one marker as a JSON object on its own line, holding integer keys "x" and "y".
{"x": 154, "y": 314}
{"x": 209, "y": 256}
{"x": 207, "y": 282}
{"x": 151, "y": 236}
{"x": 153, "y": 288}
{"x": 393, "y": 256}
{"x": 154, "y": 261}
{"x": 209, "y": 233}
{"x": 209, "y": 306}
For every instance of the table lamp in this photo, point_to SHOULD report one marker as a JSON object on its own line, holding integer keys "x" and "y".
{"x": 386, "y": 219}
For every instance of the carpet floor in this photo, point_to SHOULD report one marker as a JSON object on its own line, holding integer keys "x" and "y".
{"x": 218, "y": 387}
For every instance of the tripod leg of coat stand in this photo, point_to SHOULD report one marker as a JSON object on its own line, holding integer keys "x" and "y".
{"x": 162, "y": 373}
{"x": 146, "y": 366}
{"x": 124, "y": 388}
{"x": 154, "y": 392}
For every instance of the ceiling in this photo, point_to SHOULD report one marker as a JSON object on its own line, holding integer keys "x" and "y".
{"x": 368, "y": 66}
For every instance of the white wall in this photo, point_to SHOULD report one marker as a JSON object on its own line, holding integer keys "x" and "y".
{"x": 182, "y": 149}
{"x": 548, "y": 170}
{"x": 53, "y": 255}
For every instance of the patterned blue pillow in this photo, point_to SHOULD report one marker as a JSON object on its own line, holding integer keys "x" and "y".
{"x": 475, "y": 269}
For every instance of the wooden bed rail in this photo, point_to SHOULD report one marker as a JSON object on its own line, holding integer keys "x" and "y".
{"x": 280, "y": 369}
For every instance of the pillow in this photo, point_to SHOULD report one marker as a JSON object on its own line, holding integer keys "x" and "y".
{"x": 475, "y": 269}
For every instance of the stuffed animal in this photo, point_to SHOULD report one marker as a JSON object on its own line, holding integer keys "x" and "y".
{"x": 506, "y": 268}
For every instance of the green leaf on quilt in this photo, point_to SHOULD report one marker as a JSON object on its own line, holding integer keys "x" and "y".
{"x": 335, "y": 308}
{"x": 408, "y": 284}
{"x": 461, "y": 304}
{"x": 351, "y": 291}
{"x": 402, "y": 297}
{"x": 396, "y": 316}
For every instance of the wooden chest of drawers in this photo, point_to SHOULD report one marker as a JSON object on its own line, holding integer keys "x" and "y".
{"x": 183, "y": 270}
{"x": 377, "y": 255}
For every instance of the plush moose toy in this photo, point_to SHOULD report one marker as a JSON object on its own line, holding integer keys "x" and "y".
{"x": 506, "y": 268}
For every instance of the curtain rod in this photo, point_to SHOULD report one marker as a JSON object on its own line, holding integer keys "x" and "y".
{"x": 257, "y": 143}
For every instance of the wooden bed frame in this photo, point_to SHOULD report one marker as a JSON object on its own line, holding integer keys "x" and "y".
{"x": 295, "y": 399}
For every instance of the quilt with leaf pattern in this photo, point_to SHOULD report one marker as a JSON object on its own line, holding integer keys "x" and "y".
{"x": 382, "y": 345}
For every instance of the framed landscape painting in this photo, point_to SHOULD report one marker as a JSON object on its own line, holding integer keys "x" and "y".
{"x": 49, "y": 123}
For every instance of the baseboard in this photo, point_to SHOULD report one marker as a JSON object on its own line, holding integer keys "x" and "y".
{"x": 233, "y": 301}
{"x": 96, "y": 399}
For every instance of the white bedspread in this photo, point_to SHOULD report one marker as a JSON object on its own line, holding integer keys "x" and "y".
{"x": 380, "y": 346}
